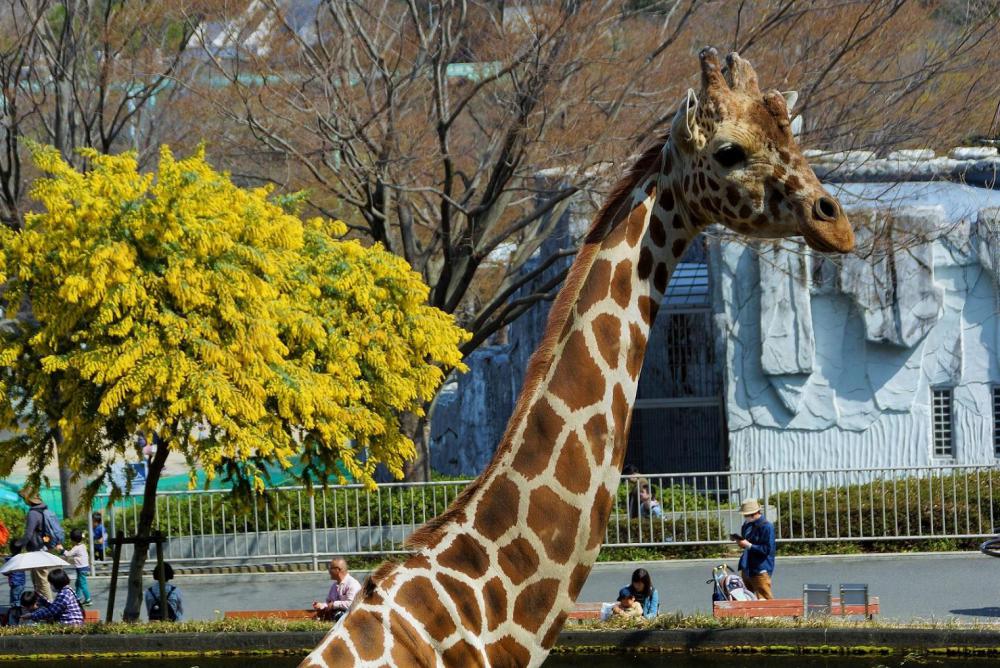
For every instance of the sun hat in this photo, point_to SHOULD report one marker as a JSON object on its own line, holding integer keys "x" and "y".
{"x": 30, "y": 496}
{"x": 751, "y": 507}
{"x": 625, "y": 592}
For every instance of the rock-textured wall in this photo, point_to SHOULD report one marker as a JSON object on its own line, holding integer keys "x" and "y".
{"x": 830, "y": 362}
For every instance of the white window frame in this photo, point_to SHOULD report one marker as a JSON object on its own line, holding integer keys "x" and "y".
{"x": 996, "y": 420}
{"x": 943, "y": 422}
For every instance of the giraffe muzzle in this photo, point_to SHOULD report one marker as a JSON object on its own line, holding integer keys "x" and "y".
{"x": 829, "y": 231}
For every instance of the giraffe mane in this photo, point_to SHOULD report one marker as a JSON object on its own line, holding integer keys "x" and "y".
{"x": 607, "y": 218}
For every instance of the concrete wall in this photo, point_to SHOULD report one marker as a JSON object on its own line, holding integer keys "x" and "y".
{"x": 831, "y": 364}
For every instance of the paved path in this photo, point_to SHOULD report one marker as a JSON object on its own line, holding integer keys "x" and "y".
{"x": 961, "y": 586}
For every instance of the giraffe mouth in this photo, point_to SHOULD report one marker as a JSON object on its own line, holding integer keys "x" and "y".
{"x": 829, "y": 243}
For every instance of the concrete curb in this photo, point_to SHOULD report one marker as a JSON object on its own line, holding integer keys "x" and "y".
{"x": 758, "y": 639}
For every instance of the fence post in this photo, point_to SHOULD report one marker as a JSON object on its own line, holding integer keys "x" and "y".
{"x": 312, "y": 527}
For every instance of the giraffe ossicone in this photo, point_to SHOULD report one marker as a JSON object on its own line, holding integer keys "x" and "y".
{"x": 494, "y": 577}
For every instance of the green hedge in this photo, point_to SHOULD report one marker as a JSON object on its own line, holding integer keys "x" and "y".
{"x": 906, "y": 506}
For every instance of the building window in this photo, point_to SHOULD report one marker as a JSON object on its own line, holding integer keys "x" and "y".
{"x": 941, "y": 414}
{"x": 996, "y": 420}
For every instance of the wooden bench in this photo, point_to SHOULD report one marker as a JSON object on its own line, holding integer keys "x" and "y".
{"x": 89, "y": 617}
{"x": 581, "y": 612}
{"x": 786, "y": 607}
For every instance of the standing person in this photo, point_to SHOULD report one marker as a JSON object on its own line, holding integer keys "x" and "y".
{"x": 645, "y": 593}
{"x": 757, "y": 540}
{"x": 97, "y": 530}
{"x": 175, "y": 606}
{"x": 81, "y": 562}
{"x": 65, "y": 609}
{"x": 34, "y": 538}
{"x": 342, "y": 592}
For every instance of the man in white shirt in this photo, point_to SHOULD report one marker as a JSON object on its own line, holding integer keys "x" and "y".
{"x": 342, "y": 592}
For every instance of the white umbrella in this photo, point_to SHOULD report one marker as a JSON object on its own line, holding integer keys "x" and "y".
{"x": 29, "y": 561}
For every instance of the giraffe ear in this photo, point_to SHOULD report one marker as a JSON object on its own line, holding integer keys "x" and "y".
{"x": 791, "y": 97}
{"x": 796, "y": 125}
{"x": 685, "y": 124}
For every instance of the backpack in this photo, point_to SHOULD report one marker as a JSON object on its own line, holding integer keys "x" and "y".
{"x": 155, "y": 611}
{"x": 51, "y": 529}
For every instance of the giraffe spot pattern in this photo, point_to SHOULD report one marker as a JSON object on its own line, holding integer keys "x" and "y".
{"x": 554, "y": 522}
{"x": 577, "y": 579}
{"x": 596, "y": 431}
{"x": 635, "y": 224}
{"x": 466, "y": 555}
{"x": 620, "y": 414}
{"x": 337, "y": 653}
{"x": 657, "y": 232}
{"x": 572, "y": 470}
{"x": 578, "y": 381}
{"x": 533, "y": 604}
{"x": 645, "y": 265}
{"x": 667, "y": 199}
{"x": 518, "y": 560}
{"x": 599, "y": 512}
{"x": 465, "y": 601}
{"x": 636, "y": 350}
{"x": 497, "y": 509}
{"x": 366, "y": 634}
{"x": 596, "y": 287}
{"x": 420, "y": 599}
{"x": 507, "y": 653}
{"x": 793, "y": 184}
{"x": 732, "y": 195}
{"x": 462, "y": 655}
{"x": 621, "y": 283}
{"x": 608, "y": 333}
{"x": 745, "y": 211}
{"x": 678, "y": 247}
{"x": 647, "y": 309}
{"x": 495, "y": 602}
{"x": 660, "y": 276}
{"x": 408, "y": 648}
{"x": 541, "y": 429}
{"x": 549, "y": 639}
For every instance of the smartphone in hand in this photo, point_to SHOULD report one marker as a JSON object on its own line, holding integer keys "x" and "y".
{"x": 735, "y": 536}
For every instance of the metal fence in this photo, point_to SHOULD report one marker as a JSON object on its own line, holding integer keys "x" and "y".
{"x": 917, "y": 503}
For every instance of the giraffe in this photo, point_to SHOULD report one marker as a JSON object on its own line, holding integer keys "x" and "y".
{"x": 494, "y": 577}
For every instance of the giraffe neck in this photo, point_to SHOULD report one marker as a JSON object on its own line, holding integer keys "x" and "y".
{"x": 496, "y": 575}
{"x": 542, "y": 507}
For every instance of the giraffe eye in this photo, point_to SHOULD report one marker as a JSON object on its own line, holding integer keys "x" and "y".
{"x": 730, "y": 155}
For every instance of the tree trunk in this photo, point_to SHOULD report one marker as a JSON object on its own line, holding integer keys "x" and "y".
{"x": 418, "y": 429}
{"x": 71, "y": 490}
{"x": 133, "y": 602}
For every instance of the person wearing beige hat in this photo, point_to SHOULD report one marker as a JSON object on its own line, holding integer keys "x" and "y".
{"x": 757, "y": 540}
{"x": 33, "y": 537}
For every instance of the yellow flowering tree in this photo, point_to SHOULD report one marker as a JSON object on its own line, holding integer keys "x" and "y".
{"x": 181, "y": 305}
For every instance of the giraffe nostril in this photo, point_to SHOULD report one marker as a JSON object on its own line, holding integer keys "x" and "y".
{"x": 826, "y": 209}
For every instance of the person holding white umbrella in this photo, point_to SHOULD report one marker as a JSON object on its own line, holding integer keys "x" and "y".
{"x": 33, "y": 539}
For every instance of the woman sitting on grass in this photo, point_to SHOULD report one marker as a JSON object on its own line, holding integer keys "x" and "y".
{"x": 65, "y": 609}
{"x": 645, "y": 593}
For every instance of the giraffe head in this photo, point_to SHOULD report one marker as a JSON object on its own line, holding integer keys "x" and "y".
{"x": 741, "y": 166}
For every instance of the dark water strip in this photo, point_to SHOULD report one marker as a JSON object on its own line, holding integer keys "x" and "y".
{"x": 646, "y": 660}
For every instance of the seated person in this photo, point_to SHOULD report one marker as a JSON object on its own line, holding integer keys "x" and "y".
{"x": 342, "y": 592}
{"x": 648, "y": 506}
{"x": 626, "y": 606}
{"x": 65, "y": 609}
{"x": 175, "y": 606}
{"x": 27, "y": 602}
